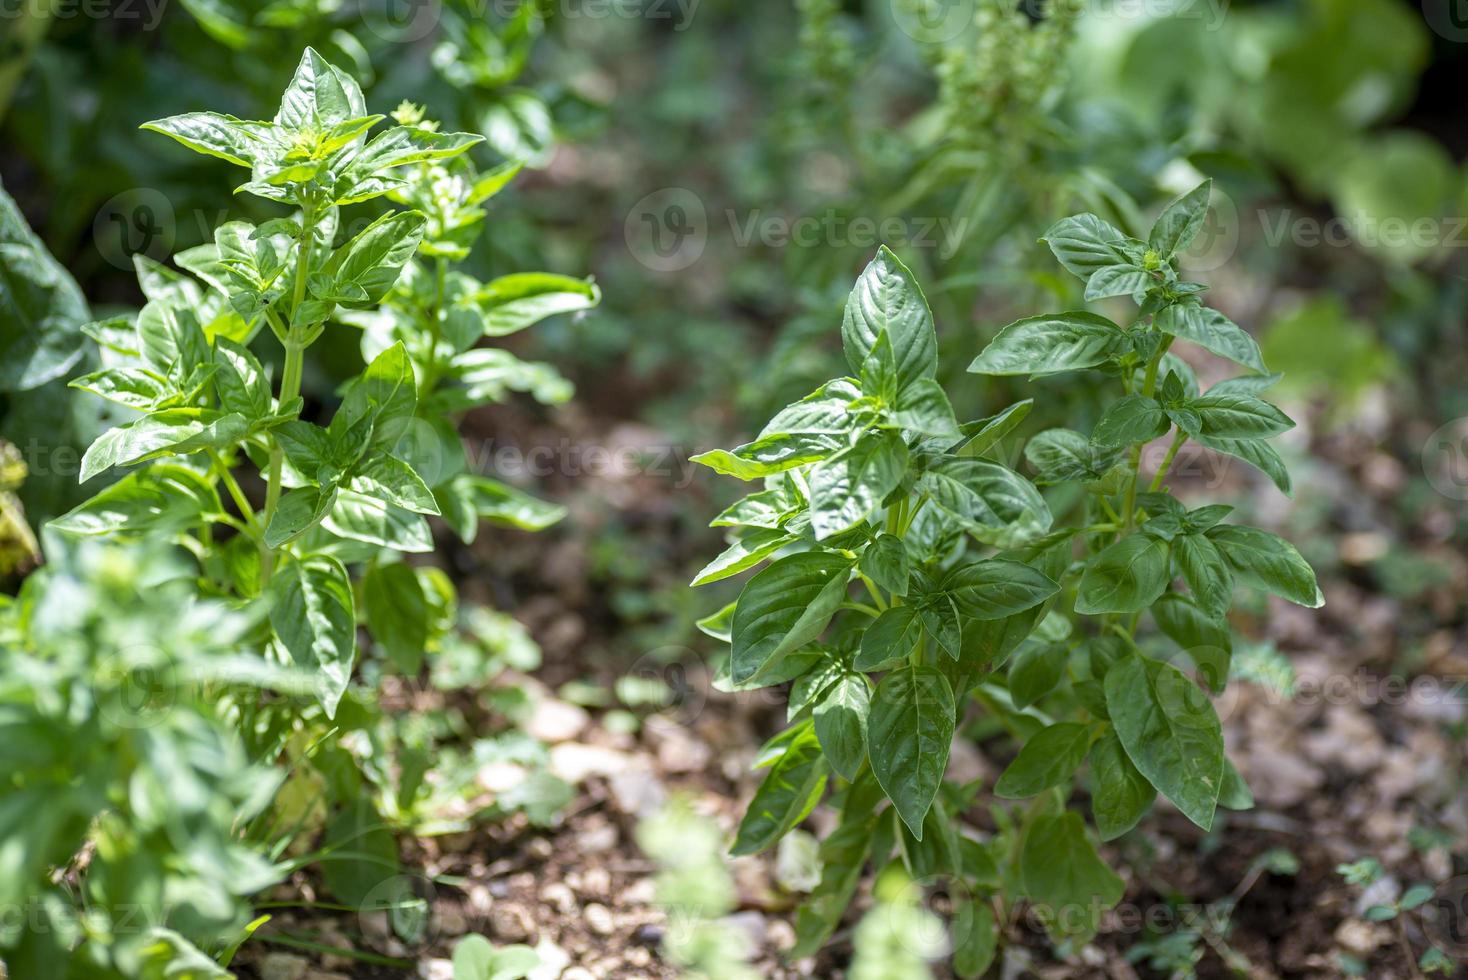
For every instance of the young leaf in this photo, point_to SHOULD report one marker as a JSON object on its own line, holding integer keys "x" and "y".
{"x": 1050, "y": 757}
{"x": 1206, "y": 572}
{"x": 314, "y": 617}
{"x": 1131, "y": 419}
{"x": 1125, "y": 577}
{"x": 789, "y": 792}
{"x": 361, "y": 518}
{"x": 993, "y": 502}
{"x": 1170, "y": 732}
{"x": 1269, "y": 562}
{"x": 887, "y": 299}
{"x": 512, "y": 303}
{"x": 365, "y": 268}
{"x": 994, "y": 588}
{"x": 1085, "y": 244}
{"x": 747, "y": 551}
{"x": 1120, "y": 795}
{"x": 891, "y": 638}
{"x": 1050, "y": 344}
{"x": 909, "y": 733}
{"x": 1238, "y": 417}
{"x": 1207, "y": 641}
{"x": 986, "y": 433}
{"x": 885, "y": 562}
{"x": 1181, "y": 222}
{"x": 397, "y": 613}
{"x": 1212, "y": 331}
{"x": 156, "y": 500}
{"x": 847, "y": 487}
{"x": 783, "y": 608}
{"x": 841, "y": 724}
{"x": 1062, "y": 874}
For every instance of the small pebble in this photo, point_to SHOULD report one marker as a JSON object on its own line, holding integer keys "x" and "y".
{"x": 598, "y": 919}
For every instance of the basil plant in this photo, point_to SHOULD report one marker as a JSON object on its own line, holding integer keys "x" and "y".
{"x": 914, "y": 581}
{"x": 354, "y": 492}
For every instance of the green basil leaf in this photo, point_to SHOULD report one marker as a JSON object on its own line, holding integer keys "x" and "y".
{"x": 359, "y": 518}
{"x": 1130, "y": 419}
{"x": 1212, "y": 331}
{"x": 385, "y": 395}
{"x": 1170, "y": 732}
{"x": 1260, "y": 455}
{"x": 297, "y": 512}
{"x": 1125, "y": 577}
{"x": 1118, "y": 280}
{"x": 1207, "y": 641}
{"x": 1034, "y": 671}
{"x": 1085, "y": 244}
{"x": 1269, "y": 562}
{"x": 1120, "y": 795}
{"x": 1206, "y": 572}
{"x": 784, "y": 607}
{"x": 397, "y": 614}
{"x": 909, "y": 734}
{"x": 885, "y": 562}
{"x": 136, "y": 388}
{"x": 512, "y": 303}
{"x": 841, "y": 724}
{"x": 887, "y": 299}
{"x": 173, "y": 431}
{"x": 237, "y": 141}
{"x": 790, "y": 790}
{"x": 240, "y": 381}
{"x": 745, "y": 552}
{"x": 1065, "y": 456}
{"x": 1238, "y": 417}
{"x": 890, "y": 639}
{"x": 995, "y": 504}
{"x": 365, "y": 268}
{"x": 1049, "y": 757}
{"x": 392, "y": 481}
{"x": 987, "y": 432}
{"x": 1050, "y": 344}
{"x": 319, "y": 96}
{"x": 848, "y": 486}
{"x": 313, "y": 615}
{"x": 1062, "y": 874}
{"x": 157, "y": 500}
{"x": 995, "y": 588}
{"x": 1180, "y": 223}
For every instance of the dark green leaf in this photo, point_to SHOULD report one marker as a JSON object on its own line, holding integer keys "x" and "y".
{"x": 1050, "y": 757}
{"x": 784, "y": 607}
{"x": 1125, "y": 577}
{"x": 909, "y": 733}
{"x": 1050, "y": 344}
{"x": 1170, "y": 732}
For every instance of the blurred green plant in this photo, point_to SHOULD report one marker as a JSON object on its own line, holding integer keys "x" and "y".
{"x": 119, "y": 684}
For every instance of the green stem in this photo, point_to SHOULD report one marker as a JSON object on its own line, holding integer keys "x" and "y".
{"x": 435, "y": 325}
{"x": 1149, "y": 385}
{"x": 290, "y": 387}
{"x": 290, "y": 382}
{"x": 222, "y": 467}
{"x": 1177, "y": 443}
{"x": 875, "y": 592}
